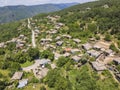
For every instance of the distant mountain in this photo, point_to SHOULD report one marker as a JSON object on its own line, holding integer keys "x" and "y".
{"x": 13, "y": 13}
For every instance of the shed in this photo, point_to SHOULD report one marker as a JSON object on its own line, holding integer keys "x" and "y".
{"x": 75, "y": 50}
{"x": 101, "y": 44}
{"x": 44, "y": 61}
{"x": 58, "y": 38}
{"x": 59, "y": 43}
{"x": 57, "y": 55}
{"x": 117, "y": 60}
{"x": 109, "y": 52}
{"x": 67, "y": 36}
{"x": 98, "y": 66}
{"x": 87, "y": 46}
{"x": 77, "y": 40}
{"x": 66, "y": 54}
{"x": 76, "y": 58}
{"x": 2, "y": 45}
{"x": 22, "y": 83}
{"x": 43, "y": 40}
{"x": 60, "y": 24}
{"x": 21, "y": 36}
{"x": 94, "y": 53}
{"x": 17, "y": 76}
{"x": 118, "y": 77}
{"x": 67, "y": 50}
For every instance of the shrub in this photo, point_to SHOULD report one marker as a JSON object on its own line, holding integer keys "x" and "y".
{"x": 42, "y": 88}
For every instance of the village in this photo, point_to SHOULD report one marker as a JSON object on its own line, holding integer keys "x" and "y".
{"x": 63, "y": 45}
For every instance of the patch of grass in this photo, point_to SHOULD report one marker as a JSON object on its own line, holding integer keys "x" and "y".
{"x": 5, "y": 74}
{"x": 26, "y": 64}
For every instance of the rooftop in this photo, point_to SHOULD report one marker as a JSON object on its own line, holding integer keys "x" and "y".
{"x": 22, "y": 83}
{"x": 94, "y": 53}
{"x": 87, "y": 46}
{"x": 98, "y": 66}
{"x": 102, "y": 44}
{"x": 17, "y": 75}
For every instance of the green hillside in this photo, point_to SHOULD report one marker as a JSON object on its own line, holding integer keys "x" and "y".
{"x": 13, "y": 13}
{"x": 77, "y": 48}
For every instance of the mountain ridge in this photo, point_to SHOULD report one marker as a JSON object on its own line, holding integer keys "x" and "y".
{"x": 18, "y": 12}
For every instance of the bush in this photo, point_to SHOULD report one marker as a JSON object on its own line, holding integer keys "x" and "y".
{"x": 42, "y": 88}
{"x": 83, "y": 61}
{"x": 48, "y": 66}
{"x": 16, "y": 83}
{"x": 11, "y": 73}
{"x": 112, "y": 47}
{"x": 62, "y": 61}
{"x": 108, "y": 37}
{"x": 1, "y": 75}
{"x": 2, "y": 51}
{"x": 97, "y": 37}
{"x": 15, "y": 66}
{"x": 47, "y": 54}
{"x": 52, "y": 77}
{"x": 118, "y": 68}
{"x": 5, "y": 65}
{"x": 33, "y": 53}
{"x": 34, "y": 80}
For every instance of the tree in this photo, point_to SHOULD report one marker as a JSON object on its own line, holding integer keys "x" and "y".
{"x": 62, "y": 61}
{"x": 5, "y": 65}
{"x": 22, "y": 57}
{"x": 34, "y": 80}
{"x": 83, "y": 61}
{"x": 52, "y": 77}
{"x": 11, "y": 46}
{"x": 42, "y": 88}
{"x": 63, "y": 84}
{"x": 15, "y": 66}
{"x": 1, "y": 75}
{"x": 2, "y": 51}
{"x": 68, "y": 66}
{"x": 33, "y": 53}
{"x": 97, "y": 37}
{"x": 2, "y": 86}
{"x": 108, "y": 37}
{"x": 112, "y": 47}
{"x": 47, "y": 54}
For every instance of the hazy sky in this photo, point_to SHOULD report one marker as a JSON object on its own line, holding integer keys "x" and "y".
{"x": 36, "y": 2}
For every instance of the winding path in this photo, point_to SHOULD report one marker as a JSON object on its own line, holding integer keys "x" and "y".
{"x": 33, "y": 34}
{"x": 33, "y": 39}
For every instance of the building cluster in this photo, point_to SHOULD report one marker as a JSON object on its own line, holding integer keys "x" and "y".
{"x": 67, "y": 46}
{"x": 20, "y": 42}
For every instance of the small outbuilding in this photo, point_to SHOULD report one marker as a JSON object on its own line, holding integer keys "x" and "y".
{"x": 59, "y": 43}
{"x": 76, "y": 58}
{"x": 17, "y": 76}
{"x": 56, "y": 56}
{"x": 22, "y": 83}
{"x": 94, "y": 53}
{"x": 98, "y": 66}
{"x": 87, "y": 46}
{"x": 77, "y": 40}
{"x": 116, "y": 60}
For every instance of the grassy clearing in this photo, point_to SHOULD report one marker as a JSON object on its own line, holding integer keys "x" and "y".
{"x": 26, "y": 64}
{"x": 32, "y": 87}
{"x": 4, "y": 72}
